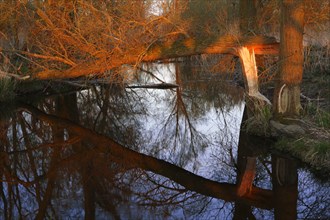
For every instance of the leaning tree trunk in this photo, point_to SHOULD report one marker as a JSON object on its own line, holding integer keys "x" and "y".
{"x": 163, "y": 50}
{"x": 287, "y": 91}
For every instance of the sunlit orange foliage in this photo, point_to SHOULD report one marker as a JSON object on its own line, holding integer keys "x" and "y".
{"x": 63, "y": 34}
{"x": 39, "y": 36}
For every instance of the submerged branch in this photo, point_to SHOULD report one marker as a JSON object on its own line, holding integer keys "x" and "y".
{"x": 154, "y": 86}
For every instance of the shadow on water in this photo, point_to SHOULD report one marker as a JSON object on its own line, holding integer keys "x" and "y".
{"x": 140, "y": 153}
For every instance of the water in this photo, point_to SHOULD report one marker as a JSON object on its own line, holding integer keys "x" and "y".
{"x": 113, "y": 153}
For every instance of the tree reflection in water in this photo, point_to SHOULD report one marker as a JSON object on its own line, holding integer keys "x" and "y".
{"x": 146, "y": 154}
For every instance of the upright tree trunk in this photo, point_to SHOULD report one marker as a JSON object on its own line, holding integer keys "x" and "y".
{"x": 285, "y": 187}
{"x": 248, "y": 27}
{"x": 287, "y": 91}
{"x": 248, "y": 13}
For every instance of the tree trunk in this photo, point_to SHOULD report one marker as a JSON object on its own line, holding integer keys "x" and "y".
{"x": 166, "y": 50}
{"x": 287, "y": 91}
{"x": 285, "y": 187}
{"x": 248, "y": 11}
{"x": 248, "y": 27}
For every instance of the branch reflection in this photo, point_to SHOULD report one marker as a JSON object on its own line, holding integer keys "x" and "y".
{"x": 98, "y": 153}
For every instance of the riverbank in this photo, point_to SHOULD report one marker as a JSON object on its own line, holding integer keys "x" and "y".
{"x": 312, "y": 146}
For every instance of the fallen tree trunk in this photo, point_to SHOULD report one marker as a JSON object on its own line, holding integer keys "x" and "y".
{"x": 165, "y": 50}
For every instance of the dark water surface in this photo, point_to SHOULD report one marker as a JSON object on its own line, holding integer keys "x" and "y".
{"x": 136, "y": 153}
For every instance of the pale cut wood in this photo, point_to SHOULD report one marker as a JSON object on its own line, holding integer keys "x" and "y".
{"x": 250, "y": 73}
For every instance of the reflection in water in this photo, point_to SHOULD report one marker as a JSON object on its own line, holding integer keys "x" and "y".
{"x": 147, "y": 154}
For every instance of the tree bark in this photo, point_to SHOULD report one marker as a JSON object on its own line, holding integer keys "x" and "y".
{"x": 287, "y": 91}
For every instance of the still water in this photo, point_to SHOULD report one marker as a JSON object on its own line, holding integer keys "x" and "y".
{"x": 108, "y": 152}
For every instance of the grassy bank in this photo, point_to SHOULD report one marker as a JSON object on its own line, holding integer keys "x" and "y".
{"x": 314, "y": 152}
{"x": 313, "y": 147}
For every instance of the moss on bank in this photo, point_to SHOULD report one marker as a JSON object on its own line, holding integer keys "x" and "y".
{"x": 312, "y": 147}
{"x": 315, "y": 152}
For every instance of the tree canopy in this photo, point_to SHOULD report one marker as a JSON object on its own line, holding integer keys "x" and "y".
{"x": 65, "y": 39}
